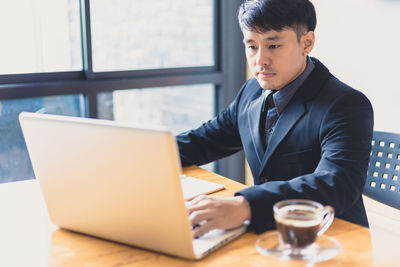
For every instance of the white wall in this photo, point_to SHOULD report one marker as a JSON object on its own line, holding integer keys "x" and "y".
{"x": 359, "y": 41}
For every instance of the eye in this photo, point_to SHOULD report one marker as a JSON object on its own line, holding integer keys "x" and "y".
{"x": 251, "y": 47}
{"x": 274, "y": 47}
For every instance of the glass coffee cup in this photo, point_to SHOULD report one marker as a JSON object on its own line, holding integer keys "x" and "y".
{"x": 299, "y": 235}
{"x": 299, "y": 222}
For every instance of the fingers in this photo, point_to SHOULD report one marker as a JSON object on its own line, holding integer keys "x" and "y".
{"x": 200, "y": 203}
{"x": 203, "y": 228}
{"x": 199, "y": 199}
{"x": 208, "y": 213}
{"x": 198, "y": 216}
{"x": 201, "y": 214}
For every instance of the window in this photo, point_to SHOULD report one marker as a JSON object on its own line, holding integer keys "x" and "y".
{"x": 140, "y": 35}
{"x": 71, "y": 57}
{"x": 14, "y": 158}
{"x": 39, "y": 36}
{"x": 179, "y": 108}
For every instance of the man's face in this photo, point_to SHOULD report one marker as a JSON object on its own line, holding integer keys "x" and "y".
{"x": 277, "y": 58}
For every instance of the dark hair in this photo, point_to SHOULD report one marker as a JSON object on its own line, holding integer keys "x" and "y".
{"x": 265, "y": 15}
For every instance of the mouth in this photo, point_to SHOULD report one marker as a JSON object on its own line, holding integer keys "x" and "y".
{"x": 266, "y": 75}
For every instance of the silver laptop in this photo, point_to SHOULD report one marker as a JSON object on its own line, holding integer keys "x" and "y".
{"x": 116, "y": 182}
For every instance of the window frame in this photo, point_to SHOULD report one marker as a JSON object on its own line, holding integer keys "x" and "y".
{"x": 227, "y": 74}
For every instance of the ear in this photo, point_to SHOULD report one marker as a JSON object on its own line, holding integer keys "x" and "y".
{"x": 307, "y": 41}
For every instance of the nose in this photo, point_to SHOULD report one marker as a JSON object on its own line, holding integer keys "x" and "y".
{"x": 263, "y": 58}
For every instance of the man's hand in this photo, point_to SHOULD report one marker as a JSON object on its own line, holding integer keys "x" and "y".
{"x": 207, "y": 213}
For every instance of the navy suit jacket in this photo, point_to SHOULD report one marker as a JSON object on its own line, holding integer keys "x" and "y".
{"x": 319, "y": 149}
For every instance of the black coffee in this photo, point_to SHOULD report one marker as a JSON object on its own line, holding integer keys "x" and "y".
{"x": 298, "y": 228}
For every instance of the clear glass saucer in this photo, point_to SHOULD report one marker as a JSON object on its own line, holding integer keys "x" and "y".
{"x": 325, "y": 248}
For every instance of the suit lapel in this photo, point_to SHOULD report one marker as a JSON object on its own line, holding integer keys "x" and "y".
{"x": 254, "y": 126}
{"x": 286, "y": 121}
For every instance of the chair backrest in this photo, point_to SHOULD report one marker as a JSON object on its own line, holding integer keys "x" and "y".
{"x": 383, "y": 177}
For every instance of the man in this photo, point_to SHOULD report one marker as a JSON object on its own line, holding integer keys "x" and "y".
{"x": 305, "y": 133}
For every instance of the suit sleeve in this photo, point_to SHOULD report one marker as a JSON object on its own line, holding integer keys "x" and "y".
{"x": 214, "y": 139}
{"x": 345, "y": 137}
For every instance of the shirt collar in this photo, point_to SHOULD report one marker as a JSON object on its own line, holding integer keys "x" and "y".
{"x": 282, "y": 97}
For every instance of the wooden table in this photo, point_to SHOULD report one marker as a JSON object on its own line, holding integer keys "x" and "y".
{"x": 27, "y": 238}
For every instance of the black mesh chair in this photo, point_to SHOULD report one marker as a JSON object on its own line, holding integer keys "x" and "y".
{"x": 383, "y": 175}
